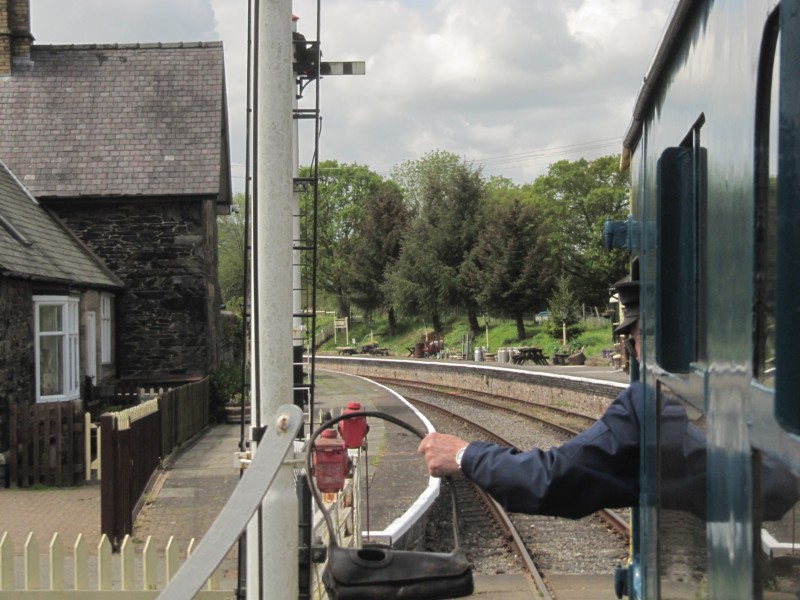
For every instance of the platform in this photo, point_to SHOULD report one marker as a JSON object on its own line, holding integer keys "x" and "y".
{"x": 198, "y": 480}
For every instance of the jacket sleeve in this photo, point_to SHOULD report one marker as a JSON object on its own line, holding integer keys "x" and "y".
{"x": 597, "y": 469}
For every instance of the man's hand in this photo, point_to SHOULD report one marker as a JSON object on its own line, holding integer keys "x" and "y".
{"x": 439, "y": 450}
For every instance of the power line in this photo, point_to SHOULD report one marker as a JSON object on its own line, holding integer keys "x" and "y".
{"x": 511, "y": 159}
{"x": 518, "y": 159}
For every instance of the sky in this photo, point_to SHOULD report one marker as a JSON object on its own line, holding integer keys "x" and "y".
{"x": 509, "y": 85}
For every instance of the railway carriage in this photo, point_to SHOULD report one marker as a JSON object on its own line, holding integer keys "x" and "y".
{"x": 714, "y": 154}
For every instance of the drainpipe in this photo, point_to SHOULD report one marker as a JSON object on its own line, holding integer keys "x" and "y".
{"x": 272, "y": 549}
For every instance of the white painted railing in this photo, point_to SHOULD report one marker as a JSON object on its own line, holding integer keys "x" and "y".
{"x": 91, "y": 464}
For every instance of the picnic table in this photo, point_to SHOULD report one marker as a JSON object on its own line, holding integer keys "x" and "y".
{"x": 345, "y": 350}
{"x": 560, "y": 358}
{"x": 526, "y": 353}
{"x": 376, "y": 351}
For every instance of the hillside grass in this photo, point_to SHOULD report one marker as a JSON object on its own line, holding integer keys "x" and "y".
{"x": 595, "y": 337}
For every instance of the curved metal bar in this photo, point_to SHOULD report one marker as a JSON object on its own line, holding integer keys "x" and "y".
{"x": 240, "y": 508}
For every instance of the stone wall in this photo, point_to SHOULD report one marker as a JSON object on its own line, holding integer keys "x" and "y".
{"x": 589, "y": 396}
{"x": 16, "y": 349}
{"x": 165, "y": 254}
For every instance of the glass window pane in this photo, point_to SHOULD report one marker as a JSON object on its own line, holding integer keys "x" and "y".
{"x": 50, "y": 317}
{"x": 51, "y": 365}
{"x": 105, "y": 329}
{"x": 767, "y": 227}
{"x": 72, "y": 317}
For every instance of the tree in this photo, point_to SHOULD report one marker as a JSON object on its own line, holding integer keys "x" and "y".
{"x": 230, "y": 249}
{"x": 425, "y": 278}
{"x": 509, "y": 271}
{"x": 414, "y": 175}
{"x": 565, "y": 310}
{"x": 580, "y": 196}
{"x": 342, "y": 193}
{"x": 375, "y": 244}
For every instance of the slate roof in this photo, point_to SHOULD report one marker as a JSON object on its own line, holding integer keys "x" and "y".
{"x": 34, "y": 245}
{"x": 118, "y": 120}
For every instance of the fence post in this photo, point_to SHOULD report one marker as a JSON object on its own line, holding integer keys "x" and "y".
{"x": 124, "y": 500}
{"x": 11, "y": 470}
{"x": 87, "y": 446}
{"x": 108, "y": 492}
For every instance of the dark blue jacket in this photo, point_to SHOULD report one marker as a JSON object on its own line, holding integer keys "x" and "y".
{"x": 597, "y": 469}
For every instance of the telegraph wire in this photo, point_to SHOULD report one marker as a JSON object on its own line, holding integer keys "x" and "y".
{"x": 518, "y": 159}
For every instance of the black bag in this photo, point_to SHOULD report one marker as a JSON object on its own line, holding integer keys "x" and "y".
{"x": 380, "y": 572}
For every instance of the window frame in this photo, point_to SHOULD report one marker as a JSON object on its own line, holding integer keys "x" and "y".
{"x": 681, "y": 199}
{"x": 69, "y": 333}
{"x": 787, "y": 287}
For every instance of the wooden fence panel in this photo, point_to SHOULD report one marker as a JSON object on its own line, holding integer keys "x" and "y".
{"x": 130, "y": 455}
{"x": 46, "y": 444}
{"x": 134, "y": 442}
{"x": 184, "y": 413}
{"x": 168, "y": 409}
{"x": 145, "y": 458}
{"x": 124, "y": 476}
{"x": 108, "y": 458}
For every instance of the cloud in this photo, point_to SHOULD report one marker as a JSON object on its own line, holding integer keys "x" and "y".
{"x": 529, "y": 80}
{"x": 488, "y": 79}
{"x": 108, "y": 22}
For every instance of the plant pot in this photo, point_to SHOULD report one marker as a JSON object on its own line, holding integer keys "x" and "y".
{"x": 233, "y": 413}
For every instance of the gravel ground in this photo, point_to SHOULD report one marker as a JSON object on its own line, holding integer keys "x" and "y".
{"x": 557, "y": 545}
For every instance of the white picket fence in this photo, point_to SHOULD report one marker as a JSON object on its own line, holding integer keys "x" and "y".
{"x": 103, "y": 572}
{"x": 99, "y": 573}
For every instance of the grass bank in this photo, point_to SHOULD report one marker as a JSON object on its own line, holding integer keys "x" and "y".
{"x": 502, "y": 333}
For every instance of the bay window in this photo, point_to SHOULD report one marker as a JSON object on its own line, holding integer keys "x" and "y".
{"x": 57, "y": 348}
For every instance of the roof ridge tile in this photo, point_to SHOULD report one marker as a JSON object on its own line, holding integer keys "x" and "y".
{"x": 129, "y": 46}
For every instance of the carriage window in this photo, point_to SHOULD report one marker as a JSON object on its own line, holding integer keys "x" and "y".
{"x": 681, "y": 198}
{"x": 787, "y": 275}
{"x": 766, "y": 220}
{"x": 775, "y": 488}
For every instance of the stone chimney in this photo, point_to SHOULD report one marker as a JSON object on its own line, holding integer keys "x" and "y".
{"x": 15, "y": 33}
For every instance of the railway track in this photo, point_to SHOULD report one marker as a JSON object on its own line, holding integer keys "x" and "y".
{"x": 529, "y": 543}
{"x": 560, "y": 419}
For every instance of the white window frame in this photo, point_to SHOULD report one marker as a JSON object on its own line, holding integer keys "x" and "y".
{"x": 70, "y": 346}
{"x": 106, "y": 307}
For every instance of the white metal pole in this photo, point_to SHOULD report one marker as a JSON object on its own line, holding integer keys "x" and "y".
{"x": 272, "y": 554}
